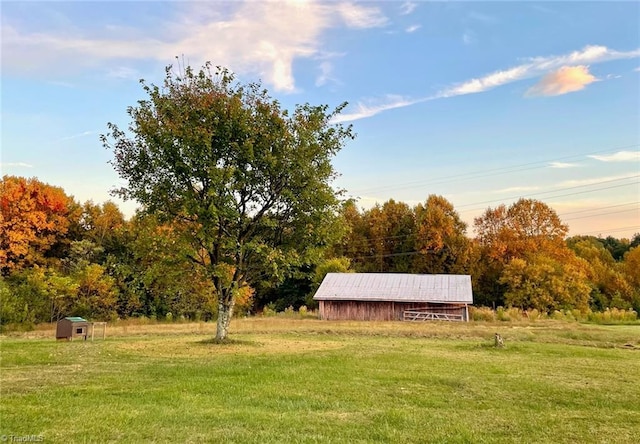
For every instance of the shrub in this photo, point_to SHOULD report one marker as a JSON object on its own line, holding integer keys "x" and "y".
{"x": 269, "y": 310}
{"x": 482, "y": 314}
{"x": 502, "y": 314}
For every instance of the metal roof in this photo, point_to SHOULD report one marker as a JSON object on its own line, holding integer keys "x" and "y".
{"x": 396, "y": 287}
{"x": 75, "y": 319}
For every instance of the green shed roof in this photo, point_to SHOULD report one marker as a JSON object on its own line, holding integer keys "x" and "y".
{"x": 76, "y": 319}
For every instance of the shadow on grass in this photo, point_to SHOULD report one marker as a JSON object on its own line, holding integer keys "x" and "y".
{"x": 228, "y": 341}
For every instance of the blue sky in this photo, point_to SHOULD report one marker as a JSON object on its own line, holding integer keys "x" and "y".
{"x": 481, "y": 102}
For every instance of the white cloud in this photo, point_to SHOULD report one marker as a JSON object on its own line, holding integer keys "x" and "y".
{"x": 16, "y": 165}
{"x": 620, "y": 156}
{"x": 77, "y": 136}
{"x": 534, "y": 67}
{"x": 358, "y": 16}
{"x": 412, "y": 28}
{"x": 407, "y": 8}
{"x": 260, "y": 38}
{"x": 123, "y": 72}
{"x": 562, "y": 165}
{"x": 487, "y": 82}
{"x": 516, "y": 189}
{"x": 326, "y": 71}
{"x": 565, "y": 80}
{"x": 537, "y": 66}
{"x": 368, "y": 110}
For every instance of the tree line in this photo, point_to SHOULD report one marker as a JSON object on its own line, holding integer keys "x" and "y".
{"x": 59, "y": 257}
{"x": 238, "y": 212}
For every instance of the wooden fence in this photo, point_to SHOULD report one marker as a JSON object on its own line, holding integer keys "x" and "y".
{"x": 420, "y": 315}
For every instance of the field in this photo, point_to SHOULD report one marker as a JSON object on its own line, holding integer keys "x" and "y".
{"x": 302, "y": 380}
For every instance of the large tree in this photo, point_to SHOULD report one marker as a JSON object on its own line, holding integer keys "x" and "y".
{"x": 440, "y": 238}
{"x": 525, "y": 228}
{"x": 251, "y": 181}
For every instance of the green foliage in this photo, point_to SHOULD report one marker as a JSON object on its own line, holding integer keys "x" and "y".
{"x": 395, "y": 238}
{"x": 440, "y": 238}
{"x": 545, "y": 284}
{"x": 269, "y": 310}
{"x": 38, "y": 295}
{"x": 333, "y": 265}
{"x": 501, "y": 314}
{"x": 250, "y": 183}
{"x": 612, "y": 316}
{"x": 96, "y": 296}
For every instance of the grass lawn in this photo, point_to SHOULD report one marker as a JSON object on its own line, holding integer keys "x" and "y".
{"x": 290, "y": 380}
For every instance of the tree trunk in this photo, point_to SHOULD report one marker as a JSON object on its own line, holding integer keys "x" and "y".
{"x": 225, "y": 311}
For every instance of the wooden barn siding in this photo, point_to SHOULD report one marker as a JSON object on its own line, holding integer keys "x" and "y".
{"x": 378, "y": 311}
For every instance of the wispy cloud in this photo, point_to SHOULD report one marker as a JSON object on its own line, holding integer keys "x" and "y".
{"x": 533, "y": 67}
{"x": 15, "y": 165}
{"x": 77, "y": 136}
{"x": 595, "y": 180}
{"x": 412, "y": 28}
{"x": 484, "y": 18}
{"x": 407, "y": 8}
{"x": 562, "y": 165}
{"x": 537, "y": 66}
{"x": 516, "y": 189}
{"x": 467, "y": 37}
{"x": 363, "y": 110}
{"x": 620, "y": 156}
{"x": 359, "y": 16}
{"x": 258, "y": 38}
{"x": 124, "y": 72}
{"x": 565, "y": 80}
{"x": 326, "y": 73}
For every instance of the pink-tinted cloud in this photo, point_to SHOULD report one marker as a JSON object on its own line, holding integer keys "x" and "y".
{"x": 565, "y": 80}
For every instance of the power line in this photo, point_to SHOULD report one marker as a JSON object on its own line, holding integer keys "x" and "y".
{"x": 601, "y": 214}
{"x": 490, "y": 172}
{"x": 560, "y": 189}
{"x": 599, "y": 208}
{"x": 612, "y": 230}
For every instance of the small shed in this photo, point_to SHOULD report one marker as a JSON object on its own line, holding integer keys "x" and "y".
{"x": 394, "y": 296}
{"x": 72, "y": 327}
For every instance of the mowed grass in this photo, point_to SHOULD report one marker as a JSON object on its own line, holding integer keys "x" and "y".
{"x": 287, "y": 380}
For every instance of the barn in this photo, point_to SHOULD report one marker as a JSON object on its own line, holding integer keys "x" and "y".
{"x": 394, "y": 297}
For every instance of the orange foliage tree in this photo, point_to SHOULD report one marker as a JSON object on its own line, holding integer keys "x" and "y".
{"x": 33, "y": 215}
{"x": 523, "y": 230}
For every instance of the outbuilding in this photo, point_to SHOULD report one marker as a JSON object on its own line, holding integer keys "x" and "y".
{"x": 71, "y": 328}
{"x": 394, "y": 296}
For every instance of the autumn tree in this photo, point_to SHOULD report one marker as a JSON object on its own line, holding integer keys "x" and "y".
{"x": 252, "y": 181}
{"x": 391, "y": 234}
{"x": 33, "y": 216}
{"x": 545, "y": 283}
{"x": 610, "y": 287}
{"x": 631, "y": 266}
{"x": 354, "y": 242}
{"x": 525, "y": 228}
{"x": 154, "y": 274}
{"x": 440, "y": 238}
{"x": 631, "y": 269}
